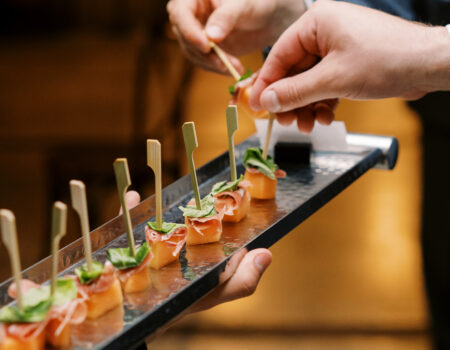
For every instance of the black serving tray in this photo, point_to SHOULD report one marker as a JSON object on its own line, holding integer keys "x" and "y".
{"x": 201, "y": 268}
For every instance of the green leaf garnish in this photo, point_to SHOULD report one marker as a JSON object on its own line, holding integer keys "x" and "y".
{"x": 87, "y": 277}
{"x": 226, "y": 186}
{"x": 66, "y": 290}
{"x": 232, "y": 88}
{"x": 37, "y": 302}
{"x": 208, "y": 208}
{"x": 166, "y": 227}
{"x": 122, "y": 259}
{"x": 253, "y": 159}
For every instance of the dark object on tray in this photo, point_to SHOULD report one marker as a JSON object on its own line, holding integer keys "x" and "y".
{"x": 292, "y": 153}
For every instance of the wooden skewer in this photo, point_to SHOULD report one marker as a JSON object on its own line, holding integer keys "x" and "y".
{"x": 123, "y": 182}
{"x": 59, "y": 224}
{"x": 223, "y": 57}
{"x": 79, "y": 203}
{"x": 232, "y": 126}
{"x": 9, "y": 237}
{"x": 268, "y": 135}
{"x": 154, "y": 162}
{"x": 190, "y": 143}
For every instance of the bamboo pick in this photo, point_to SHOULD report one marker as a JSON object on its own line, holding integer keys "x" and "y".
{"x": 154, "y": 162}
{"x": 268, "y": 135}
{"x": 123, "y": 182}
{"x": 223, "y": 57}
{"x": 232, "y": 126}
{"x": 190, "y": 143}
{"x": 79, "y": 203}
{"x": 9, "y": 237}
{"x": 59, "y": 225}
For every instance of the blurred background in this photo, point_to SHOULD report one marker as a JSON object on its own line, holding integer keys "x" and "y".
{"x": 83, "y": 82}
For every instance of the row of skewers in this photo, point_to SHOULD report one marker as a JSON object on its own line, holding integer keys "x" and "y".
{"x": 44, "y": 314}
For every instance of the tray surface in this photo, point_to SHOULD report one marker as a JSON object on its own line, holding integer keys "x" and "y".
{"x": 201, "y": 268}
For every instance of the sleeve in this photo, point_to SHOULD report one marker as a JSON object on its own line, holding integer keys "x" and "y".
{"x": 402, "y": 8}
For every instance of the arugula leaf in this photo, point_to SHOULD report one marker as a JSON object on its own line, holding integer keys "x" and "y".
{"x": 232, "y": 88}
{"x": 226, "y": 186}
{"x": 36, "y": 304}
{"x": 166, "y": 227}
{"x": 66, "y": 290}
{"x": 122, "y": 259}
{"x": 208, "y": 208}
{"x": 253, "y": 159}
{"x": 87, "y": 277}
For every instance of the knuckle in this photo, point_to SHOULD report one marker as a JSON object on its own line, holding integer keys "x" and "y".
{"x": 294, "y": 95}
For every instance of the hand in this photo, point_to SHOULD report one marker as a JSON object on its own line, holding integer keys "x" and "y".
{"x": 240, "y": 26}
{"x": 244, "y": 277}
{"x": 339, "y": 50}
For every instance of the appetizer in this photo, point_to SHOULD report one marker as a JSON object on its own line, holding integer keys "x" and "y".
{"x": 241, "y": 91}
{"x": 100, "y": 288}
{"x": 232, "y": 199}
{"x": 133, "y": 270}
{"x": 261, "y": 174}
{"x": 203, "y": 225}
{"x": 165, "y": 242}
{"x": 97, "y": 284}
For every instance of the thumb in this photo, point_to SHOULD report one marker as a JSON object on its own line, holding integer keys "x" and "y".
{"x": 132, "y": 198}
{"x": 223, "y": 20}
{"x": 299, "y": 90}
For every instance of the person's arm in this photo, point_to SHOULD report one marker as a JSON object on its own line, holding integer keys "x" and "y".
{"x": 364, "y": 54}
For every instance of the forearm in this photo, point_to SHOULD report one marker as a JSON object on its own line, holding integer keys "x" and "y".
{"x": 436, "y": 61}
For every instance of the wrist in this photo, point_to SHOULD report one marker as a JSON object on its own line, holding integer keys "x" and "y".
{"x": 436, "y": 66}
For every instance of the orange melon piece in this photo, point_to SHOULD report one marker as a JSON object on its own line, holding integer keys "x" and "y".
{"x": 261, "y": 186}
{"x": 162, "y": 253}
{"x": 100, "y": 303}
{"x": 210, "y": 232}
{"x": 138, "y": 281}
{"x": 244, "y": 101}
{"x": 36, "y": 343}
{"x": 240, "y": 212}
{"x": 61, "y": 340}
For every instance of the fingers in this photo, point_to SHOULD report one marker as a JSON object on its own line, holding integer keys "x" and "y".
{"x": 182, "y": 14}
{"x": 132, "y": 198}
{"x": 242, "y": 284}
{"x": 223, "y": 20}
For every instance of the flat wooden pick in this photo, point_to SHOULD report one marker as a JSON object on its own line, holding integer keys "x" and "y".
{"x": 9, "y": 238}
{"x": 79, "y": 203}
{"x": 190, "y": 143}
{"x": 268, "y": 135}
{"x": 123, "y": 182}
{"x": 224, "y": 58}
{"x": 232, "y": 126}
{"x": 154, "y": 162}
{"x": 59, "y": 226}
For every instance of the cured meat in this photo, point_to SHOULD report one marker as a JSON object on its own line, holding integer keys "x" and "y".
{"x": 204, "y": 230}
{"x": 24, "y": 336}
{"x": 136, "y": 279}
{"x": 233, "y": 204}
{"x": 165, "y": 247}
{"x": 61, "y": 318}
{"x": 25, "y": 286}
{"x": 101, "y": 284}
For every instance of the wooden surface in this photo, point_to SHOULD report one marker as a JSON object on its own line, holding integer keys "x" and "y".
{"x": 190, "y": 144}
{"x": 154, "y": 162}
{"x": 59, "y": 229}
{"x": 232, "y": 127}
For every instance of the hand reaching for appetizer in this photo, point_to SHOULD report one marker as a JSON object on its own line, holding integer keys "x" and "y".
{"x": 360, "y": 53}
{"x": 243, "y": 281}
{"x": 240, "y": 26}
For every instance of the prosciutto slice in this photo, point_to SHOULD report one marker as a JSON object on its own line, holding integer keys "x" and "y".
{"x": 73, "y": 312}
{"x": 25, "y": 331}
{"x": 176, "y": 238}
{"x": 228, "y": 201}
{"x": 123, "y": 275}
{"x": 99, "y": 285}
{"x": 25, "y": 286}
{"x": 199, "y": 224}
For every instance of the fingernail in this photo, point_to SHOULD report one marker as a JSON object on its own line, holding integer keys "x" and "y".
{"x": 269, "y": 100}
{"x": 261, "y": 262}
{"x": 214, "y": 32}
